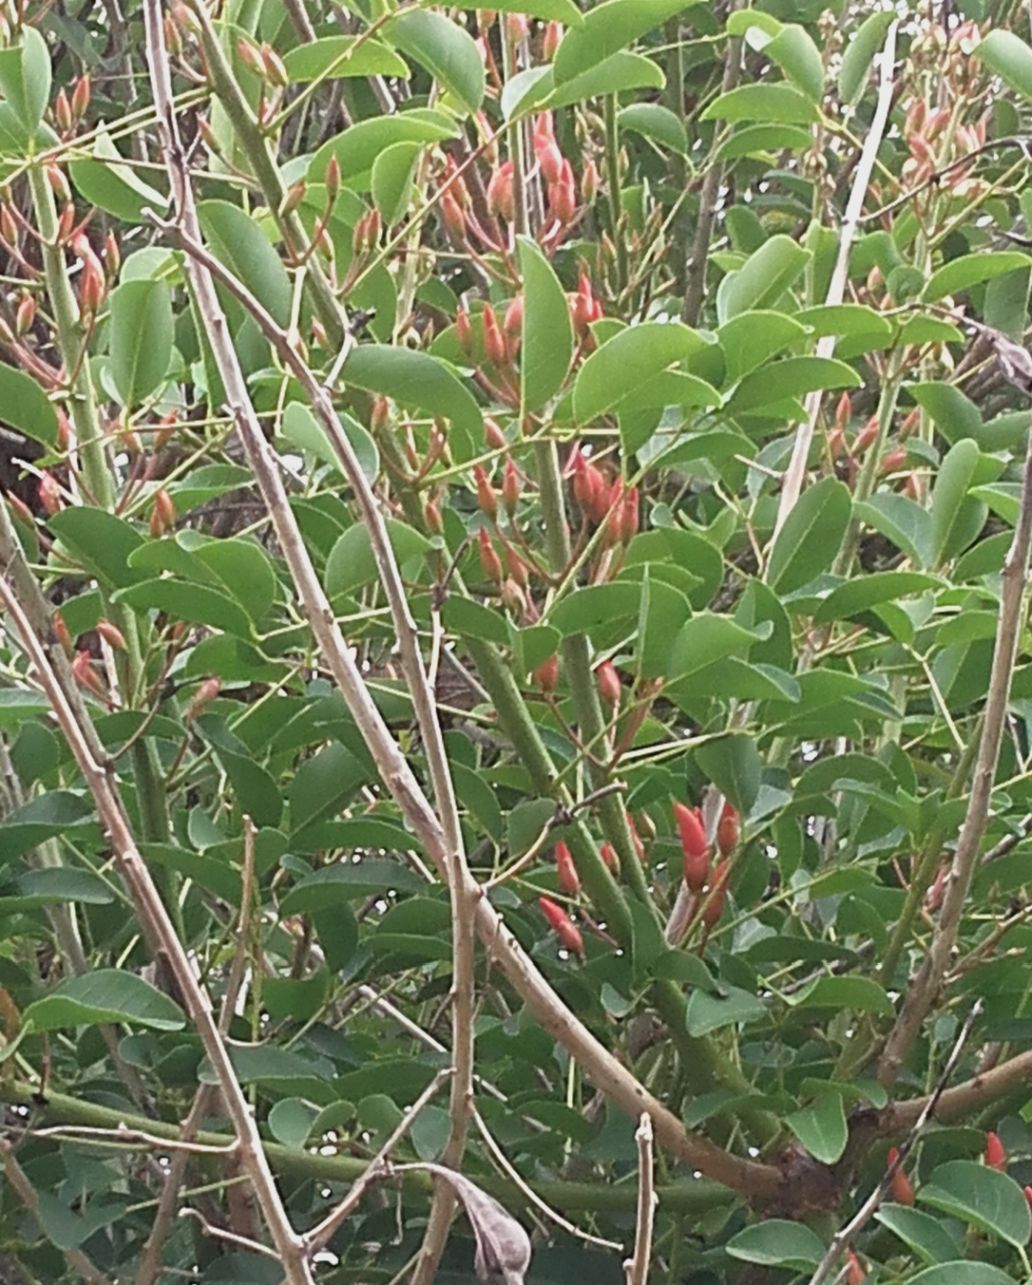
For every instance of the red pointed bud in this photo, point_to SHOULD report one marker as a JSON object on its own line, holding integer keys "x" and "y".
{"x": 694, "y": 846}
{"x": 84, "y": 673}
{"x": 490, "y": 562}
{"x": 855, "y": 1274}
{"x": 569, "y": 879}
{"x": 562, "y": 201}
{"x": 163, "y": 515}
{"x": 511, "y": 487}
{"x": 609, "y": 686}
{"x": 551, "y": 40}
{"x": 20, "y": 509}
{"x": 274, "y": 66}
{"x": 26, "y": 314}
{"x": 112, "y": 254}
{"x": 464, "y": 332}
{"x": 716, "y": 898}
{"x": 65, "y": 224}
{"x": 486, "y": 497}
{"x": 866, "y": 436}
{"x": 203, "y": 697}
{"x": 493, "y": 435}
{"x": 547, "y": 674}
{"x": 1028, "y": 1196}
{"x": 562, "y": 925}
{"x": 494, "y": 340}
{"x": 8, "y": 226}
{"x": 893, "y": 461}
{"x": 501, "y": 199}
{"x": 729, "y": 830}
{"x": 608, "y": 854}
{"x": 900, "y": 1188}
{"x": 432, "y": 517}
{"x": 843, "y": 411}
{"x": 379, "y": 413}
{"x": 62, "y": 112}
{"x": 333, "y": 178}
{"x": 513, "y": 322}
{"x": 58, "y": 183}
{"x": 91, "y": 287}
{"x": 251, "y": 57}
{"x": 50, "y": 497}
{"x": 62, "y": 633}
{"x": 81, "y": 96}
{"x": 292, "y": 198}
{"x": 549, "y": 158}
{"x": 517, "y": 26}
{"x": 167, "y": 426}
{"x": 516, "y": 567}
{"x": 630, "y": 514}
{"x": 639, "y": 846}
{"x": 111, "y": 634}
{"x": 513, "y": 598}
{"x": 995, "y": 1152}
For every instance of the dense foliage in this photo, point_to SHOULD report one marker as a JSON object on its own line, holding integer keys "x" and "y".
{"x": 513, "y": 657}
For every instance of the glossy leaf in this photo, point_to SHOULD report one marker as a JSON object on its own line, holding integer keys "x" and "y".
{"x": 334, "y": 57}
{"x": 547, "y": 346}
{"x": 105, "y": 995}
{"x": 24, "y": 405}
{"x": 981, "y": 1197}
{"x": 141, "y": 338}
{"x": 782, "y": 104}
{"x": 810, "y": 539}
{"x": 609, "y": 27}
{"x": 445, "y": 49}
{"x": 777, "y": 1243}
{"x": 1010, "y": 58}
{"x": 627, "y": 361}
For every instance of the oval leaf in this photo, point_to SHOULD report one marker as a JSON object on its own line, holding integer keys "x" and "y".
{"x": 105, "y": 995}
{"x": 810, "y": 539}
{"x": 141, "y": 338}
{"x": 547, "y": 346}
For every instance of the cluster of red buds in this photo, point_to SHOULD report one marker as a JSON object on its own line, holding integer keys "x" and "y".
{"x": 265, "y": 63}
{"x": 585, "y": 309}
{"x": 935, "y": 144}
{"x": 70, "y": 109}
{"x": 612, "y": 505}
{"x": 846, "y": 453}
{"x": 557, "y": 172}
{"x": 708, "y": 883}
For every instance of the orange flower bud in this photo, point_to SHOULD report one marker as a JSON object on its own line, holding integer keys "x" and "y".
{"x": 84, "y": 674}
{"x": 517, "y": 26}
{"x": 609, "y": 686}
{"x": 63, "y": 112}
{"x": 81, "y": 96}
{"x": 608, "y": 854}
{"x": 547, "y": 674}
{"x": 569, "y": 879}
{"x": 729, "y": 830}
{"x": 893, "y": 460}
{"x": 501, "y": 199}
{"x": 550, "y": 42}
{"x": 511, "y": 487}
{"x": 50, "y": 497}
{"x": 493, "y": 435}
{"x": 58, "y": 182}
{"x": 61, "y": 632}
{"x": 486, "y": 497}
{"x": 293, "y": 197}
{"x": 717, "y": 896}
{"x": 490, "y": 562}
{"x": 274, "y": 66}
{"x": 112, "y": 254}
{"x": 163, "y": 515}
{"x": 639, "y": 846}
{"x": 694, "y": 846}
{"x": 379, "y": 413}
{"x": 855, "y": 1274}
{"x": 549, "y": 158}
{"x": 513, "y": 322}
{"x": 562, "y": 925}
{"x": 203, "y": 697}
{"x": 494, "y": 340}
{"x": 513, "y": 598}
{"x": 901, "y": 1188}
{"x": 251, "y": 57}
{"x": 432, "y": 517}
{"x": 111, "y": 634}
{"x": 995, "y": 1152}
{"x": 333, "y": 178}
{"x": 91, "y": 287}
{"x": 453, "y": 216}
{"x": 26, "y": 314}
{"x": 464, "y": 332}
{"x": 590, "y": 182}
{"x": 20, "y": 509}
{"x": 562, "y": 202}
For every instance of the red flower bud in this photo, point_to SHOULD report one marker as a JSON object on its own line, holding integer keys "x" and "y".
{"x": 251, "y": 58}
{"x": 513, "y": 323}
{"x": 562, "y": 925}
{"x": 549, "y": 158}
{"x": 608, "y": 854}
{"x": 432, "y": 517}
{"x": 866, "y": 436}
{"x": 728, "y": 830}
{"x": 58, "y": 183}
{"x": 547, "y": 674}
{"x": 511, "y": 487}
{"x": 26, "y": 314}
{"x": 694, "y": 846}
{"x": 893, "y": 460}
{"x": 489, "y": 559}
{"x": 493, "y": 435}
{"x": 486, "y": 497}
{"x": 517, "y": 27}
{"x": 453, "y": 216}
{"x": 464, "y": 332}
{"x": 900, "y": 1188}
{"x": 639, "y": 846}
{"x": 111, "y": 634}
{"x": 203, "y": 696}
{"x": 562, "y": 201}
{"x": 49, "y": 493}
{"x": 163, "y": 515}
{"x": 717, "y": 896}
{"x": 62, "y": 112}
{"x": 62, "y": 633}
{"x": 84, "y": 674}
{"x": 843, "y": 411}
{"x": 569, "y": 879}
{"x": 20, "y": 509}
{"x": 550, "y": 42}
{"x": 514, "y": 599}
{"x": 333, "y": 178}
{"x": 501, "y": 199}
{"x": 609, "y": 686}
{"x": 1028, "y": 1196}
{"x": 494, "y": 340}
{"x": 274, "y": 66}
{"x": 516, "y": 567}
{"x": 81, "y": 96}
{"x": 855, "y": 1274}
{"x": 995, "y": 1152}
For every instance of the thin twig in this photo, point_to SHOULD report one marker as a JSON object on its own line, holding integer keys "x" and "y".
{"x": 222, "y": 1233}
{"x": 79, "y": 1262}
{"x": 321, "y": 1234}
{"x": 636, "y": 1269}
{"x": 792, "y": 486}
{"x": 925, "y": 985}
{"x": 844, "y": 1238}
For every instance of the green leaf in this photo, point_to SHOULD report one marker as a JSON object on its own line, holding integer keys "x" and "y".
{"x": 39, "y": 819}
{"x": 392, "y": 180}
{"x": 564, "y": 11}
{"x": 961, "y": 1273}
{"x": 25, "y": 406}
{"x": 734, "y": 766}
{"x": 981, "y": 1197}
{"x": 100, "y": 541}
{"x": 333, "y": 57}
{"x": 778, "y": 104}
{"x": 547, "y": 346}
{"x": 868, "y": 591}
{"x": 18, "y": 704}
{"x": 416, "y": 381}
{"x": 860, "y": 993}
{"x": 954, "y": 413}
{"x": 809, "y": 541}
{"x": 105, "y": 995}
{"x": 587, "y": 608}
{"x": 971, "y": 270}
{"x": 290, "y": 1121}
{"x": 52, "y": 885}
{"x": 105, "y": 180}
{"x": 351, "y": 562}
{"x": 954, "y": 479}
{"x": 620, "y": 72}
{"x": 925, "y": 1235}
{"x": 778, "y": 1243}
{"x": 706, "y": 638}
{"x": 1010, "y": 57}
{"x": 756, "y": 140}
{"x": 239, "y": 242}
{"x": 302, "y": 429}
{"x": 609, "y": 27}
{"x": 789, "y": 377}
{"x": 348, "y": 881}
{"x": 25, "y": 75}
{"x": 763, "y": 278}
{"x": 628, "y": 360}
{"x": 193, "y": 602}
{"x": 798, "y": 57}
{"x": 905, "y": 523}
{"x": 708, "y": 1012}
{"x": 445, "y": 49}
{"x": 844, "y": 319}
{"x": 858, "y": 55}
{"x": 359, "y": 146}
{"x": 749, "y": 338}
{"x": 821, "y": 1128}
{"x": 141, "y": 338}
{"x": 657, "y": 123}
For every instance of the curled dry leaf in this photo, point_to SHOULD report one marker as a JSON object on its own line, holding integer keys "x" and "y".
{"x": 503, "y": 1247}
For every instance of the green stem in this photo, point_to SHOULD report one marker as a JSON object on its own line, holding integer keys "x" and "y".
{"x": 613, "y": 183}
{"x": 690, "y": 1197}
